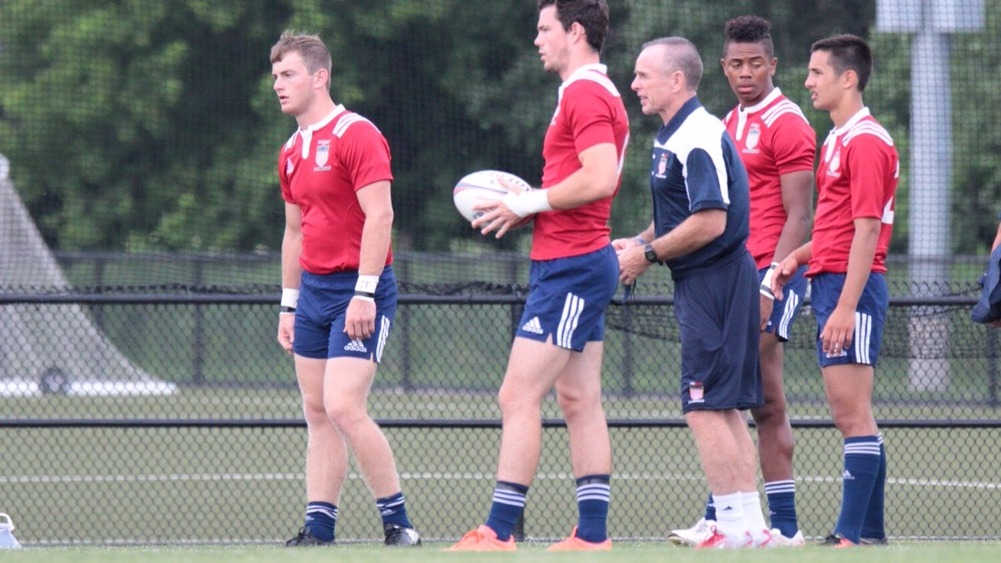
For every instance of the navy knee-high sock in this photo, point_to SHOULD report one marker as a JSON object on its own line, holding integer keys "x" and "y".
{"x": 593, "y": 495}
{"x": 321, "y": 518}
{"x": 873, "y": 525}
{"x": 508, "y": 504}
{"x": 862, "y": 459}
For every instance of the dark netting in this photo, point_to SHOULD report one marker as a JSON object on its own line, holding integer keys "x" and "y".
{"x": 143, "y": 398}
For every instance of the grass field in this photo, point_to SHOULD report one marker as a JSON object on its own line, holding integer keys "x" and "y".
{"x": 632, "y": 552}
{"x": 244, "y": 485}
{"x": 162, "y": 485}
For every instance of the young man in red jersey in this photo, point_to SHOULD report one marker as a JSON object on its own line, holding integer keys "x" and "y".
{"x": 777, "y": 146}
{"x": 338, "y": 288}
{"x": 574, "y": 274}
{"x": 846, "y": 257}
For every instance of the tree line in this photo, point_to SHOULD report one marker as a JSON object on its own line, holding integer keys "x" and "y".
{"x": 143, "y": 125}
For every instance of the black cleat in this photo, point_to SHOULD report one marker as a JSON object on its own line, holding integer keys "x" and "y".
{"x": 834, "y": 540}
{"x": 874, "y": 541}
{"x": 401, "y": 536}
{"x": 305, "y": 538}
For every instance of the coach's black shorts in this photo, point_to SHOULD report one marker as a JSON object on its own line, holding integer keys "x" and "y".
{"x": 717, "y": 309}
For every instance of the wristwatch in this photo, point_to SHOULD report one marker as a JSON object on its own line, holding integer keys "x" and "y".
{"x": 651, "y": 256}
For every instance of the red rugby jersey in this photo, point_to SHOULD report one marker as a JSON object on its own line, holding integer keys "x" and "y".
{"x": 320, "y": 168}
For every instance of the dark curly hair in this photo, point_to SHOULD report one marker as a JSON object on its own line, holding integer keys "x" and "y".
{"x": 749, "y": 29}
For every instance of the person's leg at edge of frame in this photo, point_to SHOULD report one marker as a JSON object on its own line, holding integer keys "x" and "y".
{"x": 532, "y": 370}
{"x": 348, "y": 381}
{"x": 326, "y": 458}
{"x": 750, "y": 500}
{"x": 578, "y": 392}
{"x": 873, "y": 526}
{"x": 849, "y": 392}
{"x": 717, "y": 451}
{"x": 775, "y": 440}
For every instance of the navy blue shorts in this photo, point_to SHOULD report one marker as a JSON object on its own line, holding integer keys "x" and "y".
{"x": 719, "y": 315}
{"x": 784, "y": 312}
{"x": 567, "y": 298}
{"x": 870, "y": 317}
{"x": 319, "y": 316}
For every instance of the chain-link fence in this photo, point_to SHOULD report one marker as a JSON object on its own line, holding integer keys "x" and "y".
{"x": 206, "y": 425}
{"x": 143, "y": 397}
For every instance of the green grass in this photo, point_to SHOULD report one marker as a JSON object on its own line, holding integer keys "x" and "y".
{"x": 633, "y": 552}
{"x": 164, "y": 485}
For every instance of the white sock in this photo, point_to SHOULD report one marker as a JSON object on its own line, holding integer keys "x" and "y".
{"x": 730, "y": 519}
{"x": 754, "y": 520}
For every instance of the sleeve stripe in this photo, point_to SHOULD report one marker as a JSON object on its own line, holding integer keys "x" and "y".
{"x": 867, "y": 128}
{"x": 780, "y": 109}
{"x": 348, "y": 121}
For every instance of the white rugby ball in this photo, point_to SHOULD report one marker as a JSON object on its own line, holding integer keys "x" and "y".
{"x": 481, "y": 186}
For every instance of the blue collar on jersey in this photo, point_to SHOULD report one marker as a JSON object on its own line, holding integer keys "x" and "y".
{"x": 671, "y": 127}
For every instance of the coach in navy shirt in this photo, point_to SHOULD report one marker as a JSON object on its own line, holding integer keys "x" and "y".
{"x": 699, "y": 230}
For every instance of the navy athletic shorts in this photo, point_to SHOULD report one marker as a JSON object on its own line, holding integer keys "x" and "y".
{"x": 785, "y": 312}
{"x": 870, "y": 317}
{"x": 718, "y": 312}
{"x": 319, "y": 316}
{"x": 567, "y": 298}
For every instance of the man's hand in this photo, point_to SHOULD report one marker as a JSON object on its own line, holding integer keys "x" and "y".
{"x": 359, "y": 320}
{"x": 497, "y": 215}
{"x": 782, "y": 274}
{"x": 286, "y": 330}
{"x": 632, "y": 262}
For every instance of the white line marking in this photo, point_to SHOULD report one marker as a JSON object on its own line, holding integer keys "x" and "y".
{"x": 438, "y": 476}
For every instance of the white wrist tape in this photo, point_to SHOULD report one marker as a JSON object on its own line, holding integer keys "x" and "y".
{"x": 290, "y": 297}
{"x": 766, "y": 282}
{"x": 367, "y": 284}
{"x": 528, "y": 202}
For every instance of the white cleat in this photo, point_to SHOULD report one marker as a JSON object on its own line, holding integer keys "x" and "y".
{"x": 778, "y": 540}
{"x": 691, "y": 537}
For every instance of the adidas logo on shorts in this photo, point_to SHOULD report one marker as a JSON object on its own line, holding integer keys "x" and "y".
{"x": 356, "y": 346}
{"x": 533, "y": 326}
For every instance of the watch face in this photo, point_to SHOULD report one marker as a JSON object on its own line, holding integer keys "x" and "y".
{"x": 651, "y": 256}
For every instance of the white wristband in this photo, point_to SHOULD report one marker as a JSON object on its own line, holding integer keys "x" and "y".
{"x": 367, "y": 283}
{"x": 528, "y": 202}
{"x": 290, "y": 297}
{"x": 766, "y": 282}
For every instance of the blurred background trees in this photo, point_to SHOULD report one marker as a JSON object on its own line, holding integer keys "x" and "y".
{"x": 142, "y": 125}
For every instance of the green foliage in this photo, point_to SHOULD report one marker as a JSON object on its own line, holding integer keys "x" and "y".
{"x": 147, "y": 125}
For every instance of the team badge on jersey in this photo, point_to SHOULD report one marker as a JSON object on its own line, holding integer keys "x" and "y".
{"x": 662, "y": 165}
{"x": 696, "y": 393}
{"x": 753, "y": 136}
{"x": 289, "y": 167}
{"x": 322, "y": 154}
{"x": 834, "y": 166}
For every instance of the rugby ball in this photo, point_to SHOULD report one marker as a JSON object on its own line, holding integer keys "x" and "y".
{"x": 482, "y": 186}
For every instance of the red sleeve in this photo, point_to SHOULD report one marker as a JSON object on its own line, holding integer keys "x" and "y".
{"x": 283, "y": 177}
{"x": 589, "y": 113}
{"x": 869, "y": 163}
{"x": 794, "y": 144}
{"x": 366, "y": 154}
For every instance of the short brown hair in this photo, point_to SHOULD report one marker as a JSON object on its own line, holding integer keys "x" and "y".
{"x": 592, "y": 15}
{"x": 848, "y": 52}
{"x": 310, "y": 47}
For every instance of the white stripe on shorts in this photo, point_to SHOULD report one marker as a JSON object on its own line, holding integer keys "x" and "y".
{"x": 572, "y": 309}
{"x": 788, "y": 309}
{"x": 383, "y": 335}
{"x": 863, "y": 337}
